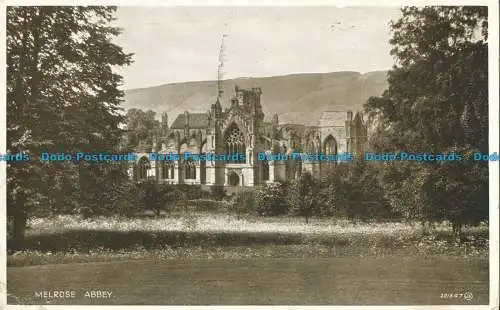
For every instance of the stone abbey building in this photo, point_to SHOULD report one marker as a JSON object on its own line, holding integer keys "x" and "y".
{"x": 241, "y": 129}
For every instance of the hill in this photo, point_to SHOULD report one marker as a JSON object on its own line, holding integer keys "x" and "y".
{"x": 297, "y": 98}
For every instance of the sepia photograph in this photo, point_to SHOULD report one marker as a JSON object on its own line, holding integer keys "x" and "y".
{"x": 250, "y": 155}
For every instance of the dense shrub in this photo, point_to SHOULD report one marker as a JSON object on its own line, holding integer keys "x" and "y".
{"x": 218, "y": 192}
{"x": 333, "y": 193}
{"x": 85, "y": 213}
{"x": 245, "y": 202}
{"x": 130, "y": 203}
{"x": 368, "y": 200}
{"x": 351, "y": 191}
{"x": 159, "y": 197}
{"x": 206, "y": 205}
{"x": 271, "y": 200}
{"x": 191, "y": 191}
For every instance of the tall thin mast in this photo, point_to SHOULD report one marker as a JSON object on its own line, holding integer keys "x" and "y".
{"x": 220, "y": 67}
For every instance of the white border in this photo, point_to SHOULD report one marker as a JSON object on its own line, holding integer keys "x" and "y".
{"x": 494, "y": 124}
{"x": 263, "y": 3}
{"x": 494, "y": 167}
{"x": 3, "y": 166}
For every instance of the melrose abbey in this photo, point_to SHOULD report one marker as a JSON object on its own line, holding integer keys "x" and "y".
{"x": 241, "y": 129}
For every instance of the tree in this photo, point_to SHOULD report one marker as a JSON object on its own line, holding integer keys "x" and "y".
{"x": 436, "y": 102}
{"x": 303, "y": 196}
{"x": 141, "y": 127}
{"x": 62, "y": 96}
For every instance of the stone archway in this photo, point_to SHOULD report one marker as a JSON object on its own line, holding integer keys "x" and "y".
{"x": 142, "y": 168}
{"x": 330, "y": 145}
{"x": 233, "y": 179}
{"x": 330, "y": 148}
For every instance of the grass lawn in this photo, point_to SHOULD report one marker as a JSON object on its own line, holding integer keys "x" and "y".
{"x": 205, "y": 258}
{"x": 341, "y": 281}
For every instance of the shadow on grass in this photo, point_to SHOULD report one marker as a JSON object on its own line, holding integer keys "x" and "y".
{"x": 84, "y": 240}
{"x": 114, "y": 240}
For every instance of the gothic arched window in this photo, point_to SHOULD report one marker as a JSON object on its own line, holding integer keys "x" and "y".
{"x": 265, "y": 170}
{"x": 189, "y": 170}
{"x": 164, "y": 170}
{"x": 234, "y": 179}
{"x": 167, "y": 170}
{"x": 142, "y": 168}
{"x": 298, "y": 168}
{"x": 234, "y": 143}
{"x": 330, "y": 146}
{"x": 310, "y": 146}
{"x": 290, "y": 169}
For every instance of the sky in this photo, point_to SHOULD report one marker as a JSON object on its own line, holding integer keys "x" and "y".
{"x": 181, "y": 44}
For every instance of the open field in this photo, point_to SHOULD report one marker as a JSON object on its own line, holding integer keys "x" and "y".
{"x": 374, "y": 281}
{"x": 203, "y": 258}
{"x": 205, "y": 235}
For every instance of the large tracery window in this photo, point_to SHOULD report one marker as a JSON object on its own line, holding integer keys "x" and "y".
{"x": 235, "y": 144}
{"x": 189, "y": 170}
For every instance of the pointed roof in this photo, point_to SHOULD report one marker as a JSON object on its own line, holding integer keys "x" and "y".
{"x": 196, "y": 120}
